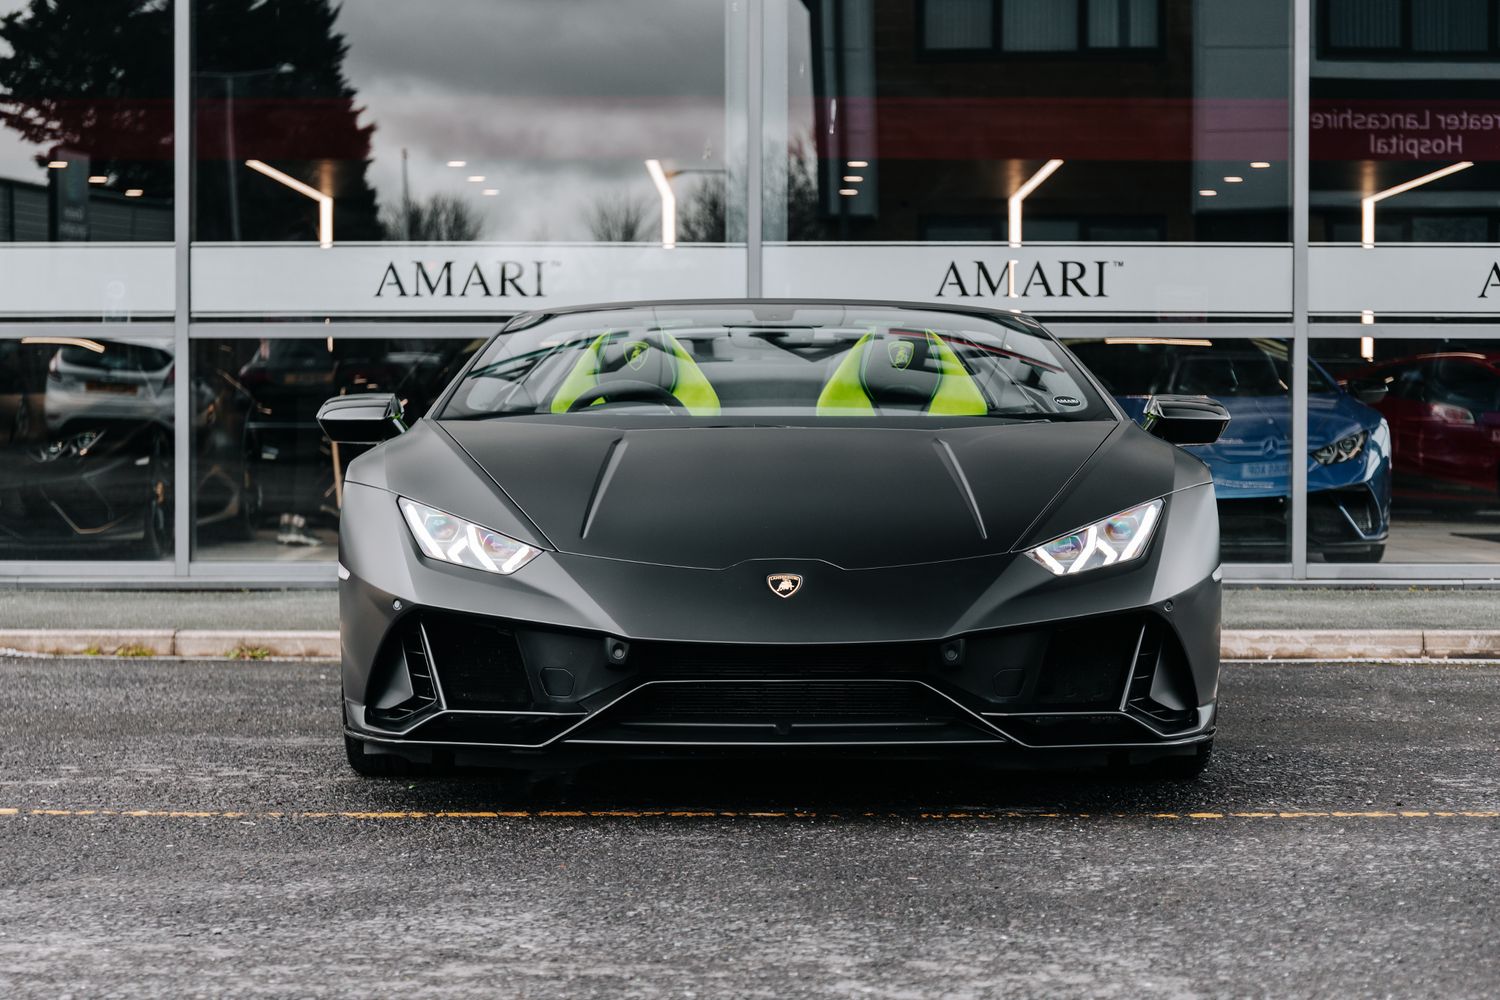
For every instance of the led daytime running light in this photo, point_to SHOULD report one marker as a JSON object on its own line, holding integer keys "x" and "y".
{"x": 1116, "y": 539}
{"x": 450, "y": 539}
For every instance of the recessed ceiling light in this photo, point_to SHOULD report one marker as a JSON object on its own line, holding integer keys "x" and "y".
{"x": 458, "y": 163}
{"x": 134, "y": 192}
{"x": 98, "y": 179}
{"x": 856, "y": 164}
{"x": 1208, "y": 192}
{"x": 58, "y": 165}
{"x": 490, "y": 192}
{"x": 1231, "y": 179}
{"x": 1259, "y": 165}
{"x": 848, "y": 192}
{"x": 476, "y": 179}
{"x": 852, "y": 178}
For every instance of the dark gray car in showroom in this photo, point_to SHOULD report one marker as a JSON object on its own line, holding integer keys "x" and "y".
{"x": 751, "y": 527}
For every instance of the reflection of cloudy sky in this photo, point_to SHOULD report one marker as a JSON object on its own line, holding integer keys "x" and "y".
{"x": 555, "y": 104}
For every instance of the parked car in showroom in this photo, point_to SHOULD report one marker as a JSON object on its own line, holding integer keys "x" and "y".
{"x": 94, "y": 466}
{"x": 747, "y": 527}
{"x": 1349, "y": 444}
{"x": 1444, "y": 412}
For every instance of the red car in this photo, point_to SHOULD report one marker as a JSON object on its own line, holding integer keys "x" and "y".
{"x": 1444, "y": 412}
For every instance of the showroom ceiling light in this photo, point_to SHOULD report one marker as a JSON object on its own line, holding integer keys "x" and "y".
{"x": 98, "y": 179}
{"x": 458, "y": 163}
{"x": 134, "y": 192}
{"x": 668, "y": 203}
{"x": 325, "y": 201}
{"x": 1232, "y": 179}
{"x": 58, "y": 165}
{"x": 1260, "y": 165}
{"x": 1208, "y": 193}
{"x": 1013, "y": 204}
{"x": 858, "y": 164}
{"x": 848, "y": 192}
{"x": 476, "y": 178}
{"x": 83, "y": 342}
{"x": 853, "y": 178}
{"x": 1368, "y": 203}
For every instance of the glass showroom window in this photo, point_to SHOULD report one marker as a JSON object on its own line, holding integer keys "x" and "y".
{"x": 512, "y": 121}
{"x": 85, "y": 137}
{"x": 1103, "y": 121}
{"x": 268, "y": 484}
{"x": 1251, "y": 462}
{"x": 1438, "y": 435}
{"x": 86, "y": 458}
{"x": 1405, "y": 126}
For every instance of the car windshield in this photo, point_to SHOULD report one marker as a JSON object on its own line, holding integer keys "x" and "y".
{"x": 763, "y": 362}
{"x": 1223, "y": 369}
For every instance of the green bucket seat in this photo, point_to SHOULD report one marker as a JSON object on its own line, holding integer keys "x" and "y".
{"x": 902, "y": 370}
{"x": 655, "y": 358}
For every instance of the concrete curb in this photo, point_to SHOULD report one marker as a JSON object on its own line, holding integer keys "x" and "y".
{"x": 1235, "y": 644}
{"x": 195, "y": 643}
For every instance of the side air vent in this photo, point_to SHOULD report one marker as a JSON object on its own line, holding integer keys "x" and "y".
{"x": 403, "y": 679}
{"x": 1161, "y": 687}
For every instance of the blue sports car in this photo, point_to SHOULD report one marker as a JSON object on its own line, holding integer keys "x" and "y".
{"x": 1349, "y": 443}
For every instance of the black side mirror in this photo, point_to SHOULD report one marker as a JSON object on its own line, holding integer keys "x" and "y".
{"x": 1368, "y": 393}
{"x": 365, "y": 418}
{"x": 1185, "y": 419}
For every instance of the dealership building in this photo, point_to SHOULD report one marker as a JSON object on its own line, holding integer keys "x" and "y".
{"x": 215, "y": 214}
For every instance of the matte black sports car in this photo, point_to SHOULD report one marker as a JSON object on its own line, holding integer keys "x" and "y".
{"x": 748, "y": 526}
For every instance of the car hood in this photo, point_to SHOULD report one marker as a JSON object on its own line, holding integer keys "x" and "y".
{"x": 712, "y": 497}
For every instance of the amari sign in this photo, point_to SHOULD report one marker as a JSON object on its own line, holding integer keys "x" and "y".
{"x": 1120, "y": 280}
{"x": 1404, "y": 280}
{"x": 450, "y": 279}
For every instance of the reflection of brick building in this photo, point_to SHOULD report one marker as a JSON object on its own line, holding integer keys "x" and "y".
{"x": 1400, "y": 91}
{"x": 953, "y": 104}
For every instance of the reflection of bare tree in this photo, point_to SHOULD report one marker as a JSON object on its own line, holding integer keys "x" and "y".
{"x": 803, "y": 221}
{"x": 95, "y": 76}
{"x": 617, "y": 218}
{"x": 442, "y": 217}
{"x": 701, "y": 216}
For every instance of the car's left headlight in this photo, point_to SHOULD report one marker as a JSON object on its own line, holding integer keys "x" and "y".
{"x": 1343, "y": 450}
{"x": 451, "y": 539}
{"x": 1116, "y": 539}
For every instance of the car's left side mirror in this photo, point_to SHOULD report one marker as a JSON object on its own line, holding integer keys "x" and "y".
{"x": 1185, "y": 419}
{"x": 1368, "y": 393}
{"x": 364, "y": 418}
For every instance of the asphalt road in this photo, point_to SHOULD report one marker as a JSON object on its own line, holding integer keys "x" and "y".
{"x": 1346, "y": 843}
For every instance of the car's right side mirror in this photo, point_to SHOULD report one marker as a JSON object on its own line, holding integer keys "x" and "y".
{"x": 363, "y": 418}
{"x": 1185, "y": 419}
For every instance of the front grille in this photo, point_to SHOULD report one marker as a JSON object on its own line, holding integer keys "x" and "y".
{"x": 704, "y": 661}
{"x": 784, "y": 703}
{"x": 1327, "y": 520}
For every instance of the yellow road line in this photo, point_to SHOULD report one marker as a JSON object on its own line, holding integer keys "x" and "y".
{"x": 548, "y": 814}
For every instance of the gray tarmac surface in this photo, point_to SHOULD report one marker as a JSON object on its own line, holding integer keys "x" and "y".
{"x": 1244, "y": 607}
{"x": 1346, "y": 843}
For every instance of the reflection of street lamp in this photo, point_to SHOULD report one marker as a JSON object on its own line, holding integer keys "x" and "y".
{"x": 1367, "y": 220}
{"x": 663, "y": 180}
{"x": 1367, "y": 204}
{"x": 668, "y": 203}
{"x": 231, "y": 158}
{"x": 1014, "y": 203}
{"x": 325, "y": 201}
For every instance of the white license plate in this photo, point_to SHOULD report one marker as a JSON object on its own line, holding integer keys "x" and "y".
{"x": 1264, "y": 470}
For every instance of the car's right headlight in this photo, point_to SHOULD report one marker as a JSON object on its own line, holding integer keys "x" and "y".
{"x": 453, "y": 540}
{"x": 1116, "y": 539}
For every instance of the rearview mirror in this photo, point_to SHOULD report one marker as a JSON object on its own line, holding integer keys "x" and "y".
{"x": 1185, "y": 419}
{"x": 366, "y": 418}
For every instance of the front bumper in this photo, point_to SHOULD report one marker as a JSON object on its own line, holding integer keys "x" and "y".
{"x": 987, "y": 654}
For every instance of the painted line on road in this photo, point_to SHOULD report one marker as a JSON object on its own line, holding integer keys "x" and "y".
{"x": 553, "y": 814}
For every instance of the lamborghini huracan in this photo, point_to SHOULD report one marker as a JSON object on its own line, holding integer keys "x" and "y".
{"x": 752, "y": 527}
